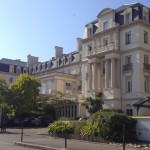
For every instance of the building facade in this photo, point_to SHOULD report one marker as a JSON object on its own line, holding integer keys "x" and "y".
{"x": 115, "y": 52}
{"x": 10, "y": 69}
{"x": 112, "y": 57}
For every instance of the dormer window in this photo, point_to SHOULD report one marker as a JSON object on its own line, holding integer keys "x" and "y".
{"x": 18, "y": 70}
{"x": 105, "y": 25}
{"x": 90, "y": 32}
{"x": 11, "y": 69}
{"x": 128, "y": 18}
{"x": 145, "y": 16}
{"x": 24, "y": 70}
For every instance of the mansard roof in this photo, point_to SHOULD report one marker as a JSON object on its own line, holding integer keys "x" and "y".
{"x": 127, "y": 5}
{"x": 104, "y": 11}
{"x": 13, "y": 62}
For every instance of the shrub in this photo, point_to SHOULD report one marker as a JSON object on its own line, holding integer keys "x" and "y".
{"x": 59, "y": 127}
{"x": 90, "y": 129}
{"x": 110, "y": 125}
{"x": 79, "y": 126}
{"x": 116, "y": 127}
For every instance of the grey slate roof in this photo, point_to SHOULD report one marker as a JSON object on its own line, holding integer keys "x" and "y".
{"x": 13, "y": 62}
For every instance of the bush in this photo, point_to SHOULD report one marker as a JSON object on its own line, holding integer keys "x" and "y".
{"x": 110, "y": 126}
{"x": 59, "y": 127}
{"x": 116, "y": 127}
{"x": 79, "y": 126}
{"x": 90, "y": 129}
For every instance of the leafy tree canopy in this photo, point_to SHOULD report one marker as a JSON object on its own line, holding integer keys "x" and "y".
{"x": 53, "y": 101}
{"x": 94, "y": 104}
{"x": 23, "y": 93}
{"x": 3, "y": 89}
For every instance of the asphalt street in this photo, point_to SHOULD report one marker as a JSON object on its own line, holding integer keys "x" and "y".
{"x": 39, "y": 136}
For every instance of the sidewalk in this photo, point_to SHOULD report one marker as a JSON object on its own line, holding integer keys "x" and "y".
{"x": 46, "y": 142}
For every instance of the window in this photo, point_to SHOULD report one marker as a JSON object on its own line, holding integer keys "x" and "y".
{"x": 146, "y": 84}
{"x": 89, "y": 47}
{"x": 105, "y": 25}
{"x": 127, "y": 17}
{"x": 128, "y": 84}
{"x": 11, "y": 69}
{"x": 105, "y": 42}
{"x": 103, "y": 67}
{"x": 145, "y": 37}
{"x": 129, "y": 112}
{"x": 68, "y": 86}
{"x": 18, "y": 70}
{"x": 128, "y": 59}
{"x": 90, "y": 32}
{"x": 145, "y": 16}
{"x": 128, "y": 38}
{"x": 145, "y": 59}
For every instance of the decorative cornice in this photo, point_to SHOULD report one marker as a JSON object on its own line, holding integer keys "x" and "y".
{"x": 132, "y": 24}
{"x": 138, "y": 48}
{"x": 56, "y": 68}
{"x": 100, "y": 33}
{"x": 122, "y": 27}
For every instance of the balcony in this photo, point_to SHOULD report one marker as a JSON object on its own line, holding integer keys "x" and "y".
{"x": 127, "y": 67}
{"x": 146, "y": 66}
{"x": 103, "y": 48}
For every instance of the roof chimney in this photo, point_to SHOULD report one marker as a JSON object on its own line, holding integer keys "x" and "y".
{"x": 32, "y": 60}
{"x": 58, "y": 51}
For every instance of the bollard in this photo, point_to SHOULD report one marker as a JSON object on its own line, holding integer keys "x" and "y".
{"x": 65, "y": 137}
{"x": 123, "y": 136}
{"x": 21, "y": 131}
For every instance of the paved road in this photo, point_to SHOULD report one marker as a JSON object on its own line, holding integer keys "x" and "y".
{"x": 7, "y": 142}
{"x": 40, "y": 137}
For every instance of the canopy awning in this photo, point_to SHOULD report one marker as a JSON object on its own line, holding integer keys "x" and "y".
{"x": 145, "y": 102}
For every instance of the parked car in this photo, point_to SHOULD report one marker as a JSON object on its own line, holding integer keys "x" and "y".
{"x": 4, "y": 119}
{"x": 35, "y": 122}
{"x": 14, "y": 122}
{"x": 83, "y": 118}
{"x": 45, "y": 120}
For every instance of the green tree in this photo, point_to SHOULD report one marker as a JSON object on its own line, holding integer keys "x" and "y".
{"x": 94, "y": 104}
{"x": 23, "y": 93}
{"x": 3, "y": 93}
{"x": 48, "y": 103}
{"x": 3, "y": 89}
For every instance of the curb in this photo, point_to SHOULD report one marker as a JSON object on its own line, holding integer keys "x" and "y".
{"x": 37, "y": 146}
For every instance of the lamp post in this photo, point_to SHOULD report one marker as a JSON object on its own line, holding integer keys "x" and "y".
{"x": 65, "y": 137}
{"x": 123, "y": 136}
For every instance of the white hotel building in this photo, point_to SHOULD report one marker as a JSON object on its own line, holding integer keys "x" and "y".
{"x": 113, "y": 57}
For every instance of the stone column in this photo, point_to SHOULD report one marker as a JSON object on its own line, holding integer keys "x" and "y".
{"x": 98, "y": 76}
{"x": 113, "y": 82}
{"x": 90, "y": 77}
{"x": 118, "y": 73}
{"x": 95, "y": 75}
{"x": 70, "y": 111}
{"x": 106, "y": 74}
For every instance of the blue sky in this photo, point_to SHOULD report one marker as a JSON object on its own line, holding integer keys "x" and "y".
{"x": 36, "y": 26}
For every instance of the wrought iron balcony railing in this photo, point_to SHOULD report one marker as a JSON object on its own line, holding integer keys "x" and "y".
{"x": 127, "y": 67}
{"x": 146, "y": 66}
